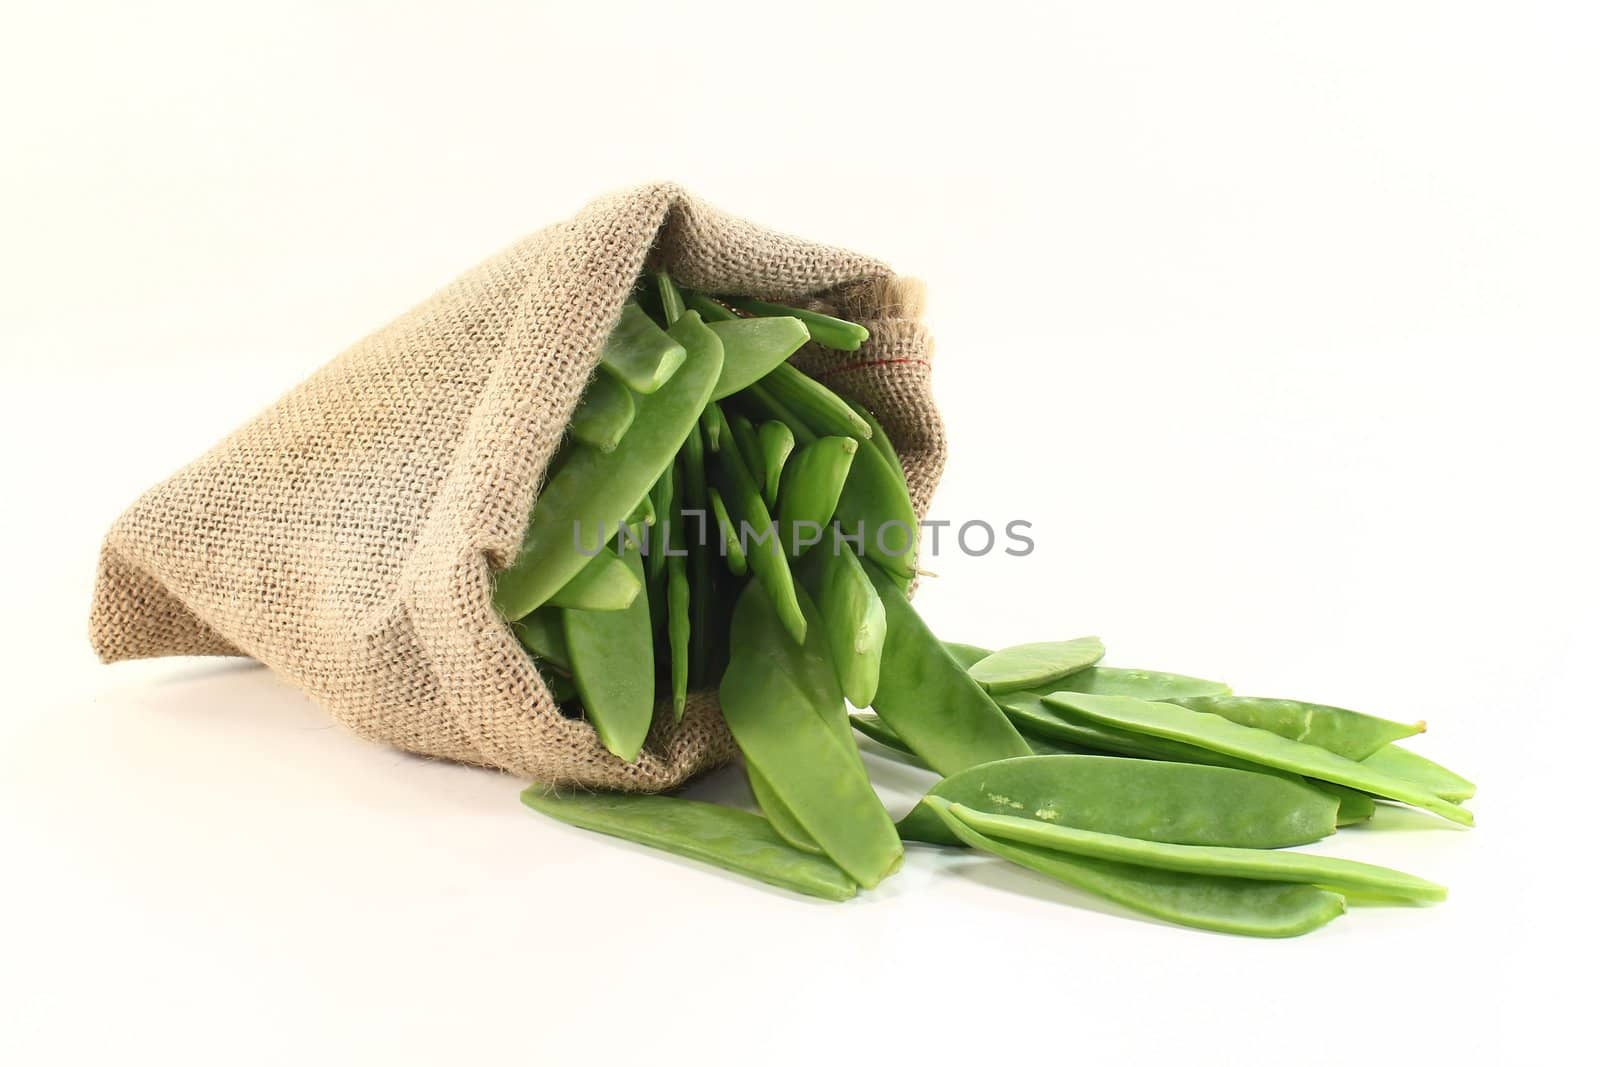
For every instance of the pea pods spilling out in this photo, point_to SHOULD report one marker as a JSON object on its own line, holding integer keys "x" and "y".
{"x": 722, "y": 837}
{"x": 1033, "y": 665}
{"x": 1176, "y": 803}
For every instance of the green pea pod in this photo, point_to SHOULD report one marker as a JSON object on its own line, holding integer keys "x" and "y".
{"x": 1035, "y": 665}
{"x": 671, "y": 299}
{"x": 809, "y": 494}
{"x": 1350, "y": 734}
{"x": 880, "y": 439}
{"x": 1255, "y": 863}
{"x": 1146, "y": 685}
{"x": 541, "y": 634}
{"x": 732, "y": 554}
{"x": 758, "y": 537}
{"x": 722, "y": 837}
{"x": 753, "y": 348}
{"x": 1207, "y": 902}
{"x": 780, "y": 701}
{"x": 853, "y": 619}
{"x": 875, "y": 510}
{"x": 613, "y": 664}
{"x": 604, "y": 584}
{"x": 873, "y": 726}
{"x": 925, "y": 697}
{"x": 604, "y": 414}
{"x": 596, "y": 490}
{"x": 693, "y": 457}
{"x": 1403, "y": 763}
{"x": 744, "y": 435}
{"x": 761, "y": 397}
{"x": 966, "y": 655}
{"x": 823, "y": 410}
{"x": 1246, "y": 742}
{"x": 708, "y": 308}
{"x": 663, "y": 502}
{"x": 826, "y": 330}
{"x": 1179, "y": 803}
{"x": 1354, "y": 805}
{"x": 639, "y": 354}
{"x": 711, "y": 429}
{"x": 775, "y": 441}
{"x": 778, "y": 813}
{"x": 643, "y": 513}
{"x": 678, "y": 622}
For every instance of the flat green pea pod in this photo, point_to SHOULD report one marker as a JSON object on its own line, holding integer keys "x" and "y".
{"x": 1207, "y": 902}
{"x": 826, "y": 330}
{"x": 875, "y": 507}
{"x": 819, "y": 407}
{"x": 709, "y": 309}
{"x": 778, "y": 814}
{"x": 672, "y": 307}
{"x": 1146, "y": 685}
{"x": 722, "y": 837}
{"x": 604, "y": 414}
{"x": 744, "y": 435}
{"x": 753, "y": 347}
{"x": 782, "y": 705}
{"x": 732, "y": 553}
{"x": 853, "y": 618}
{"x": 809, "y": 494}
{"x": 762, "y": 550}
{"x": 678, "y": 623}
{"x": 966, "y": 655}
{"x": 594, "y": 489}
{"x": 775, "y": 441}
{"x": 1035, "y": 665}
{"x": 1354, "y": 805}
{"x": 1369, "y": 880}
{"x": 613, "y": 664}
{"x": 1403, "y": 763}
{"x": 662, "y": 497}
{"x": 880, "y": 439}
{"x": 1177, "y": 803}
{"x": 923, "y": 694}
{"x": 872, "y": 725}
{"x": 604, "y": 584}
{"x": 1246, "y": 742}
{"x": 639, "y": 354}
{"x": 1350, "y": 734}
{"x": 695, "y": 499}
{"x": 1030, "y": 714}
{"x": 541, "y": 633}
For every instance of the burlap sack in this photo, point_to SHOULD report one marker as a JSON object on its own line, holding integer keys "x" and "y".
{"x": 347, "y": 536}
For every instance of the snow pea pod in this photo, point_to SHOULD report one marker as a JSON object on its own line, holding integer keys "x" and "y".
{"x": 809, "y": 494}
{"x": 761, "y": 397}
{"x": 604, "y": 584}
{"x": 853, "y": 619}
{"x": 823, "y": 410}
{"x": 1036, "y": 664}
{"x": 596, "y": 489}
{"x": 1030, "y": 714}
{"x": 708, "y": 308}
{"x": 613, "y": 664}
{"x": 775, "y": 441}
{"x": 661, "y": 497}
{"x": 966, "y": 655}
{"x": 826, "y": 330}
{"x": 604, "y": 414}
{"x": 753, "y": 348}
{"x": 722, "y": 837}
{"x": 540, "y": 633}
{"x": 1404, "y": 763}
{"x": 926, "y": 698}
{"x": 1177, "y": 803}
{"x": 778, "y": 813}
{"x": 678, "y": 599}
{"x": 671, "y": 299}
{"x": 696, "y": 502}
{"x": 781, "y": 703}
{"x": 880, "y": 439}
{"x": 1246, "y": 742}
{"x": 1354, "y": 805}
{"x": 1146, "y": 685}
{"x": 1350, "y": 734}
{"x": 639, "y": 354}
{"x": 744, "y": 435}
{"x": 643, "y": 513}
{"x": 752, "y": 520}
{"x": 711, "y": 429}
{"x": 732, "y": 554}
{"x": 1208, "y": 902}
{"x": 874, "y": 727}
{"x": 875, "y": 509}
{"x": 1254, "y": 863}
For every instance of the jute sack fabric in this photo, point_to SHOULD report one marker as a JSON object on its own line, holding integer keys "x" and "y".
{"x": 347, "y": 537}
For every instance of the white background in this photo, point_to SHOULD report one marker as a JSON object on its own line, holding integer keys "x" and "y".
{"x": 1277, "y": 320}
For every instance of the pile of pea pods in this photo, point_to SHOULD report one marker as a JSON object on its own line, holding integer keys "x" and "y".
{"x": 716, "y": 518}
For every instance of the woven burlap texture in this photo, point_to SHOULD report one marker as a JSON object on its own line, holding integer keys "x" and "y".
{"x": 347, "y": 537}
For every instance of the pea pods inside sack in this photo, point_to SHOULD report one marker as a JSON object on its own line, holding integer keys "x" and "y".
{"x": 826, "y": 330}
{"x": 809, "y": 494}
{"x": 1177, "y": 803}
{"x": 780, "y": 701}
{"x": 875, "y": 509}
{"x": 1245, "y": 742}
{"x": 671, "y": 299}
{"x": 540, "y": 633}
{"x": 775, "y": 441}
{"x": 853, "y": 619}
{"x": 639, "y": 354}
{"x": 604, "y": 584}
{"x": 1350, "y": 734}
{"x": 1207, "y": 902}
{"x": 604, "y": 414}
{"x": 613, "y": 664}
{"x": 727, "y": 535}
{"x": 880, "y": 439}
{"x": 678, "y": 596}
{"x": 752, "y": 348}
{"x": 722, "y": 837}
{"x": 593, "y": 491}
{"x": 744, "y": 435}
{"x": 709, "y": 309}
{"x": 819, "y": 407}
{"x": 696, "y": 519}
{"x": 1033, "y": 665}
